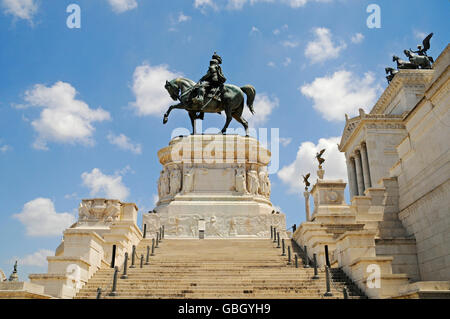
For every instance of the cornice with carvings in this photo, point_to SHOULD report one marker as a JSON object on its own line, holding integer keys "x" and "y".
{"x": 401, "y": 79}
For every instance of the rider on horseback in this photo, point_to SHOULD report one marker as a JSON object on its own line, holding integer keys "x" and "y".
{"x": 212, "y": 82}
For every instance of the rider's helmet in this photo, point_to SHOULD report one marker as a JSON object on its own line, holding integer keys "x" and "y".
{"x": 213, "y": 61}
{"x": 217, "y": 58}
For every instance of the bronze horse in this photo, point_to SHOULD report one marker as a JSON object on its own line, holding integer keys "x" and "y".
{"x": 232, "y": 103}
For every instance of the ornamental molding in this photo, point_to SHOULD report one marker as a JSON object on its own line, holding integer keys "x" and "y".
{"x": 369, "y": 121}
{"x": 404, "y": 78}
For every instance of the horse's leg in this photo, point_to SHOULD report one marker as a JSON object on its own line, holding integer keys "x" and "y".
{"x": 166, "y": 115}
{"x": 228, "y": 120}
{"x": 237, "y": 115}
{"x": 193, "y": 117}
{"x": 241, "y": 120}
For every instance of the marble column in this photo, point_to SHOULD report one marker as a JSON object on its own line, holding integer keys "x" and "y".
{"x": 365, "y": 166}
{"x": 352, "y": 186}
{"x": 359, "y": 173}
{"x": 306, "y": 194}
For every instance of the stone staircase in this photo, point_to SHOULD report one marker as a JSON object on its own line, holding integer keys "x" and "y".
{"x": 394, "y": 240}
{"x": 231, "y": 268}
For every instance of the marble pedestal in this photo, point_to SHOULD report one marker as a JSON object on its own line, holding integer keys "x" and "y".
{"x": 219, "y": 181}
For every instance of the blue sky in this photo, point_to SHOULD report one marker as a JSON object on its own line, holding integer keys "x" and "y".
{"x": 81, "y": 109}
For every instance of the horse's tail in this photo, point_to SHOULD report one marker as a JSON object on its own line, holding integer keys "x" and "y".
{"x": 250, "y": 91}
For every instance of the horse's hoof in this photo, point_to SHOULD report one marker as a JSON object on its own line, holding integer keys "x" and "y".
{"x": 165, "y": 120}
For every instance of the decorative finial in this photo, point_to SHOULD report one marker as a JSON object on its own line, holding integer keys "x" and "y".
{"x": 306, "y": 182}
{"x": 14, "y": 276}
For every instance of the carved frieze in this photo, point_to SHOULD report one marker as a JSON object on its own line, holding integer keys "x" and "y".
{"x": 99, "y": 210}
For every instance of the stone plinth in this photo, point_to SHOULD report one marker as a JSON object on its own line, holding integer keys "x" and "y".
{"x": 88, "y": 244}
{"x": 328, "y": 198}
{"x": 22, "y": 290}
{"x": 221, "y": 179}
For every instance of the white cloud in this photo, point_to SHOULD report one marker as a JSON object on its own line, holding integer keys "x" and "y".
{"x": 204, "y": 4}
{"x": 341, "y": 93}
{"x": 183, "y": 18}
{"x": 148, "y": 87}
{"x": 124, "y": 143}
{"x": 283, "y": 28}
{"x": 254, "y": 30}
{"x": 305, "y": 162}
{"x": 22, "y": 9}
{"x": 71, "y": 196}
{"x": 285, "y": 141}
{"x": 322, "y": 47}
{"x": 40, "y": 218}
{"x": 63, "y": 119}
{"x": 357, "y": 38}
{"x": 263, "y": 106}
{"x": 3, "y": 147}
{"x": 271, "y": 64}
{"x": 38, "y": 258}
{"x": 290, "y": 44}
{"x": 105, "y": 185}
{"x": 239, "y": 4}
{"x": 120, "y": 6}
{"x": 287, "y": 61}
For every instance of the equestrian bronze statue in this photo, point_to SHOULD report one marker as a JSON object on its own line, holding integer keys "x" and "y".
{"x": 418, "y": 59}
{"x": 211, "y": 95}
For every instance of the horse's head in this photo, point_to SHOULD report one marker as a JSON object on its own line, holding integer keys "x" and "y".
{"x": 388, "y": 70}
{"x": 407, "y": 53}
{"x": 173, "y": 90}
{"x": 395, "y": 58}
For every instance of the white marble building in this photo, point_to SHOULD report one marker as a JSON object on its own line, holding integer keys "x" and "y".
{"x": 398, "y": 163}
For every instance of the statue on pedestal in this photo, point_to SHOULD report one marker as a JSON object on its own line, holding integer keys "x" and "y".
{"x": 306, "y": 182}
{"x": 417, "y": 59}
{"x": 422, "y": 49}
{"x": 241, "y": 181}
{"x": 225, "y": 97}
{"x": 163, "y": 184}
{"x": 14, "y": 276}
{"x": 175, "y": 181}
{"x": 212, "y": 83}
{"x": 319, "y": 158}
{"x": 252, "y": 182}
{"x": 264, "y": 183}
{"x": 188, "y": 183}
{"x": 391, "y": 73}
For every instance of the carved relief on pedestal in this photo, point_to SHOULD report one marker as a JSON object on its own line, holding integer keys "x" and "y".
{"x": 213, "y": 229}
{"x": 252, "y": 181}
{"x": 332, "y": 196}
{"x": 175, "y": 181}
{"x": 232, "y": 227}
{"x": 241, "y": 186}
{"x": 153, "y": 223}
{"x": 99, "y": 210}
{"x": 188, "y": 181}
{"x": 264, "y": 183}
{"x": 163, "y": 184}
